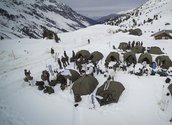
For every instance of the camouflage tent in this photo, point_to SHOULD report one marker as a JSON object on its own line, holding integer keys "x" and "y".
{"x": 84, "y": 85}
{"x": 137, "y": 32}
{"x": 130, "y": 57}
{"x": 170, "y": 88}
{"x": 137, "y": 49}
{"x": 155, "y": 50}
{"x": 83, "y": 53}
{"x": 113, "y": 56}
{"x": 123, "y": 46}
{"x": 164, "y": 61}
{"x": 96, "y": 56}
{"x": 145, "y": 57}
{"x": 109, "y": 92}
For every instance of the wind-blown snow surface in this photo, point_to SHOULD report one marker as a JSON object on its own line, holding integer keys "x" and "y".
{"x": 21, "y": 104}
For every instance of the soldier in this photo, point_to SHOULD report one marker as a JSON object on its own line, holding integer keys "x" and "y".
{"x": 28, "y": 77}
{"x": 64, "y": 62}
{"x": 60, "y": 64}
{"x": 45, "y": 76}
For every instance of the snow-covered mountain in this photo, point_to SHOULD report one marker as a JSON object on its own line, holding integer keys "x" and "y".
{"x": 151, "y": 17}
{"x": 23, "y": 18}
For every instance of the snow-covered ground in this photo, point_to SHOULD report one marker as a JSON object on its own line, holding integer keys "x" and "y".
{"x": 21, "y": 104}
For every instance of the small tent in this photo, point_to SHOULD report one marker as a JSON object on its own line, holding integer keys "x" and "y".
{"x": 109, "y": 92}
{"x": 71, "y": 74}
{"x": 83, "y": 53}
{"x": 130, "y": 58}
{"x": 83, "y": 86}
{"x": 113, "y": 56}
{"x": 96, "y": 56}
{"x": 170, "y": 88}
{"x": 164, "y": 61}
{"x": 137, "y": 49}
{"x": 145, "y": 57}
{"x": 123, "y": 46}
{"x": 155, "y": 50}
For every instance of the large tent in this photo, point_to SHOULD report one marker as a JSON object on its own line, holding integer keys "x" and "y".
{"x": 96, "y": 56}
{"x": 123, "y": 46}
{"x": 155, "y": 50}
{"x": 137, "y": 49}
{"x": 164, "y": 61}
{"x": 145, "y": 57}
{"x": 84, "y": 85}
{"x": 71, "y": 74}
{"x": 109, "y": 92}
{"x": 170, "y": 88}
{"x": 130, "y": 57}
{"x": 113, "y": 56}
{"x": 83, "y": 53}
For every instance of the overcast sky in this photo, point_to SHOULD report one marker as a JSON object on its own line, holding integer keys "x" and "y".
{"x": 96, "y": 8}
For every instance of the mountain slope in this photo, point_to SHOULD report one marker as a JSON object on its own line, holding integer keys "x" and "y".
{"x": 152, "y": 16}
{"x": 22, "y": 18}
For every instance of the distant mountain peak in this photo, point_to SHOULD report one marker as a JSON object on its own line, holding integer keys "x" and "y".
{"x": 23, "y": 18}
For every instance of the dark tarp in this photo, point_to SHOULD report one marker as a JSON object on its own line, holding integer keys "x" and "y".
{"x": 164, "y": 61}
{"x": 130, "y": 57}
{"x": 110, "y": 91}
{"x": 84, "y": 85}
{"x": 113, "y": 56}
{"x": 145, "y": 57}
{"x": 96, "y": 56}
{"x": 155, "y": 50}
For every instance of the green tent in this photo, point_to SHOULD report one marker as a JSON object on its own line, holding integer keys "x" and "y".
{"x": 170, "y": 88}
{"x": 155, "y": 50}
{"x": 164, "y": 61}
{"x": 145, "y": 57}
{"x": 137, "y": 49}
{"x": 74, "y": 75}
{"x": 113, "y": 56}
{"x": 123, "y": 46}
{"x": 83, "y": 53}
{"x": 84, "y": 85}
{"x": 96, "y": 56}
{"x": 130, "y": 57}
{"x": 109, "y": 92}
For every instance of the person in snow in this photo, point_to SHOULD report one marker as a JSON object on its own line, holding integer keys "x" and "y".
{"x": 49, "y": 66}
{"x": 52, "y": 52}
{"x": 60, "y": 64}
{"x": 45, "y": 76}
{"x": 88, "y": 41}
{"x": 28, "y": 77}
{"x": 90, "y": 70}
{"x": 63, "y": 60}
{"x": 133, "y": 44}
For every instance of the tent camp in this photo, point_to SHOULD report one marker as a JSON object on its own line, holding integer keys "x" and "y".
{"x": 130, "y": 58}
{"x": 96, "y": 56}
{"x": 145, "y": 57}
{"x": 113, "y": 56}
{"x": 164, "y": 61}
{"x": 155, "y": 50}
{"x": 109, "y": 92}
{"x": 137, "y": 49}
{"x": 170, "y": 88}
{"x": 123, "y": 46}
{"x": 83, "y": 86}
{"x": 83, "y": 53}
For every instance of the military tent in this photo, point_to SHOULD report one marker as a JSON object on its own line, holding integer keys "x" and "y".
{"x": 145, "y": 57}
{"x": 83, "y": 53}
{"x": 123, "y": 46}
{"x": 137, "y": 49}
{"x": 130, "y": 58}
{"x": 109, "y": 92}
{"x": 170, "y": 88}
{"x": 84, "y": 85}
{"x": 113, "y": 56}
{"x": 96, "y": 56}
{"x": 164, "y": 61}
{"x": 155, "y": 50}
